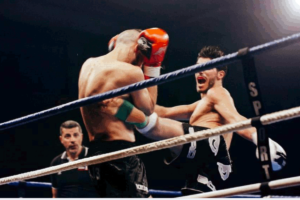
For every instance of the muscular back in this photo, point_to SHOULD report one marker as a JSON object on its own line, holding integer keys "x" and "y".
{"x": 99, "y": 75}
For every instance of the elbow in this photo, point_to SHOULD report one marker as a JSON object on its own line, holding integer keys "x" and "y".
{"x": 236, "y": 119}
{"x": 233, "y": 120}
{"x": 149, "y": 111}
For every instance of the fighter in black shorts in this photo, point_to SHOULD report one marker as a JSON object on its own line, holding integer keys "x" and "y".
{"x": 120, "y": 67}
{"x": 124, "y": 177}
{"x": 206, "y": 162}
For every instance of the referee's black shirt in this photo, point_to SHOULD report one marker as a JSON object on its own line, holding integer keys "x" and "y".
{"x": 75, "y": 182}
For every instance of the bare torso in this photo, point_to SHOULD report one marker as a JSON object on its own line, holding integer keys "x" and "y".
{"x": 99, "y": 75}
{"x": 206, "y": 116}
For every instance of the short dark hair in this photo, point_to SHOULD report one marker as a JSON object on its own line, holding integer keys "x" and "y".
{"x": 212, "y": 52}
{"x": 129, "y": 36}
{"x": 69, "y": 124}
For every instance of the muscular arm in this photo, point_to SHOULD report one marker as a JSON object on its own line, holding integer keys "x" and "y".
{"x": 153, "y": 95}
{"x": 144, "y": 99}
{"x": 224, "y": 105}
{"x": 182, "y": 112}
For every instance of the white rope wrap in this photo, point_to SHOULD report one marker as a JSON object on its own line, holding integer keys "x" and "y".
{"x": 163, "y": 144}
{"x": 280, "y": 116}
{"x": 277, "y": 184}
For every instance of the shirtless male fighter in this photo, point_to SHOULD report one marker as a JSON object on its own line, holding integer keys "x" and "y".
{"x": 206, "y": 162}
{"x": 122, "y": 66}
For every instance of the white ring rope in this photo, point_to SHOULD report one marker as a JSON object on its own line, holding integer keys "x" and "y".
{"x": 277, "y": 184}
{"x": 163, "y": 144}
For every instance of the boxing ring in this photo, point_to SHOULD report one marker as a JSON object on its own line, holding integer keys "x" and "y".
{"x": 163, "y": 144}
{"x": 22, "y": 185}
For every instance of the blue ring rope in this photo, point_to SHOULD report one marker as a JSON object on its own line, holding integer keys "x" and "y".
{"x": 218, "y": 62}
{"x": 165, "y": 193}
{"x": 48, "y": 185}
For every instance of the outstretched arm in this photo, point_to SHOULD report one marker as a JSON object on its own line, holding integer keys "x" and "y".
{"x": 182, "y": 112}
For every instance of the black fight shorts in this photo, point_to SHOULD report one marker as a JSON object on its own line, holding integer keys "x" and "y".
{"x": 124, "y": 177}
{"x": 206, "y": 163}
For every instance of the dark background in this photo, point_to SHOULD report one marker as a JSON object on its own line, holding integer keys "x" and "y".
{"x": 44, "y": 43}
